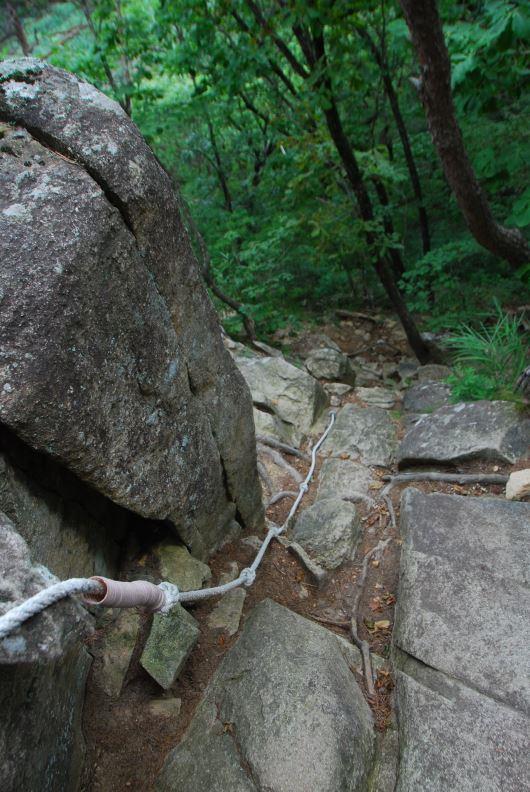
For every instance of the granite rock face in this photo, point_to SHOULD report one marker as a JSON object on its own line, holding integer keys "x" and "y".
{"x": 43, "y": 669}
{"x": 111, "y": 356}
{"x": 288, "y": 393}
{"x": 461, "y": 644}
{"x": 282, "y": 713}
{"x": 474, "y": 430}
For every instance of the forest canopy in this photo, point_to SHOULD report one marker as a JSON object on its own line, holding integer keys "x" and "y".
{"x": 300, "y": 136}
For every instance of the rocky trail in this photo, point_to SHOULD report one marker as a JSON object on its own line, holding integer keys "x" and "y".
{"x": 383, "y": 643}
{"x": 267, "y": 690}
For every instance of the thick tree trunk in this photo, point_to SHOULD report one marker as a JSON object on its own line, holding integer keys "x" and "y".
{"x": 428, "y": 39}
{"x": 384, "y": 271}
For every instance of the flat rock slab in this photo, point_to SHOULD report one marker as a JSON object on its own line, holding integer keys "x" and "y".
{"x": 463, "y": 607}
{"x": 461, "y": 640}
{"x": 454, "y": 739}
{"x": 283, "y": 713}
{"x": 343, "y": 478}
{"x": 484, "y": 430}
{"x": 170, "y": 642}
{"x": 363, "y": 432}
{"x": 285, "y": 391}
{"x": 328, "y": 530}
{"x": 426, "y": 397}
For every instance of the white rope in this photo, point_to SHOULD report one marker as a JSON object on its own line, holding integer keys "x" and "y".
{"x": 248, "y": 575}
{"x": 48, "y": 596}
{"x": 17, "y": 615}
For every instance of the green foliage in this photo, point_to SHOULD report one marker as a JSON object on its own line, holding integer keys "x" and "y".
{"x": 244, "y": 136}
{"x": 489, "y": 359}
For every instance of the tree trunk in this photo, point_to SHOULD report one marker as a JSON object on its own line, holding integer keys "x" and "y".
{"x": 428, "y": 39}
{"x": 393, "y": 101}
{"x": 354, "y": 175}
{"x": 18, "y": 28}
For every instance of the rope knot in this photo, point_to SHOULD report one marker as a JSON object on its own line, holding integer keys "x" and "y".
{"x": 171, "y": 597}
{"x": 304, "y": 486}
{"x": 248, "y": 576}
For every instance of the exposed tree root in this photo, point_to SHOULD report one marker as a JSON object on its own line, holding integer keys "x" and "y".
{"x": 280, "y": 461}
{"x": 287, "y": 449}
{"x": 455, "y": 478}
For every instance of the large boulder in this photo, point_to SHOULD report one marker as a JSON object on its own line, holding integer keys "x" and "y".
{"x": 282, "y": 713}
{"x": 485, "y": 430}
{"x": 290, "y": 394}
{"x": 461, "y": 644}
{"x": 363, "y": 432}
{"x": 111, "y": 356}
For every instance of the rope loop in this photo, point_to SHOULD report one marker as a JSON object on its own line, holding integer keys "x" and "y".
{"x": 248, "y": 576}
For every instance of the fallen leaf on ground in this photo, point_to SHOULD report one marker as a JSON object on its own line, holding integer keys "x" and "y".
{"x": 383, "y": 624}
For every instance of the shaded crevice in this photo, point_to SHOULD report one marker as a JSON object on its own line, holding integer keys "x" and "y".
{"x": 109, "y": 526}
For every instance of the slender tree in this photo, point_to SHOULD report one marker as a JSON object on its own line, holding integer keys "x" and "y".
{"x": 427, "y": 35}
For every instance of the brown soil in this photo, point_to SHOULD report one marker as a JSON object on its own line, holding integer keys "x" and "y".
{"x": 127, "y": 744}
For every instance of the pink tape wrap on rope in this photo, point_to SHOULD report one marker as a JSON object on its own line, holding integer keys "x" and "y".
{"x": 119, "y": 594}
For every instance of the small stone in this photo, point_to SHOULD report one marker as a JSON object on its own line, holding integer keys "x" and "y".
{"x": 252, "y": 541}
{"x": 329, "y": 364}
{"x": 518, "y": 485}
{"x": 329, "y": 530}
{"x": 177, "y": 566}
{"x": 230, "y": 574}
{"x": 342, "y": 478}
{"x": 433, "y": 372}
{"x": 170, "y": 643}
{"x": 165, "y": 707}
{"x": 378, "y": 397}
{"x": 226, "y": 615}
{"x": 426, "y": 397}
{"x": 338, "y": 388}
{"x": 119, "y": 642}
{"x": 407, "y": 369}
